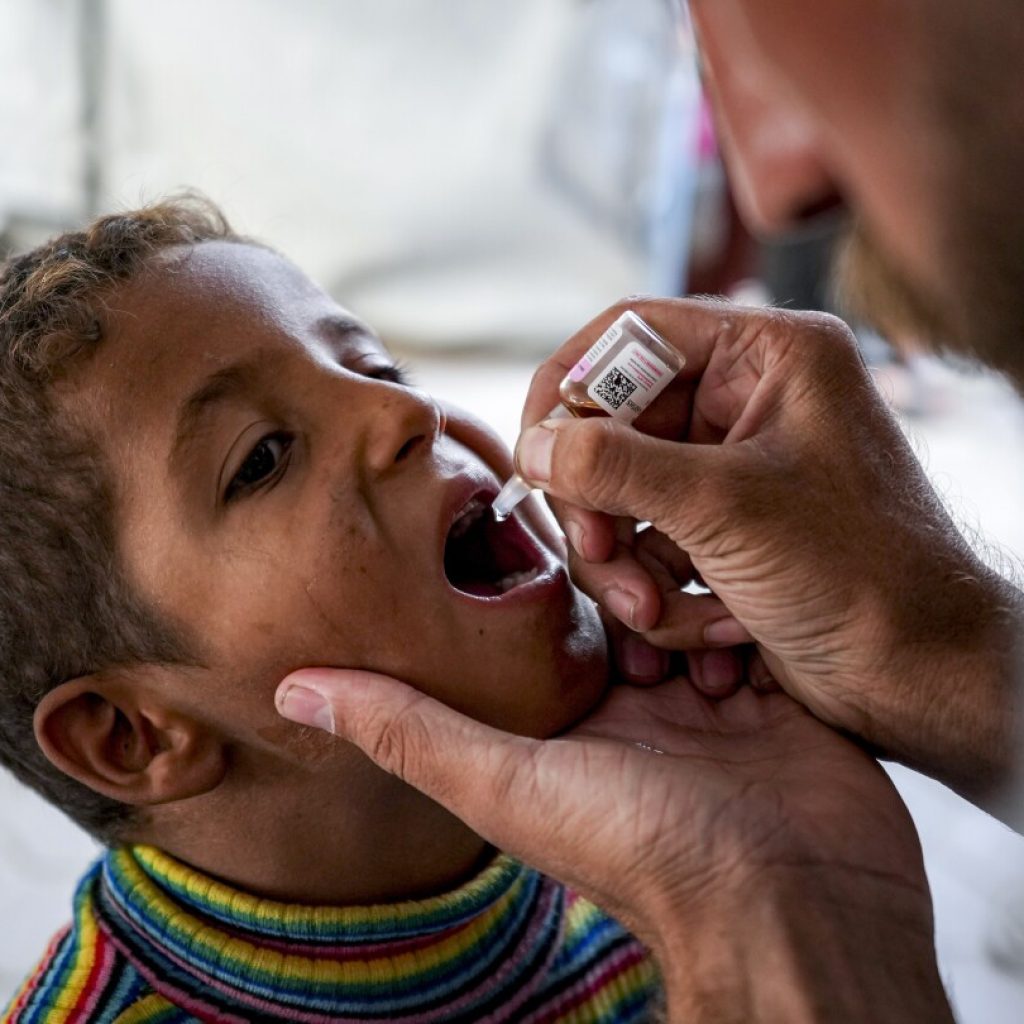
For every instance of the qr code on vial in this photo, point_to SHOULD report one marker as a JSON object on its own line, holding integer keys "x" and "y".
{"x": 614, "y": 388}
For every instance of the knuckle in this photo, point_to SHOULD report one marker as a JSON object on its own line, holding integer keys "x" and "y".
{"x": 832, "y": 328}
{"x": 831, "y": 354}
{"x": 399, "y": 739}
{"x": 834, "y": 336}
{"x": 514, "y": 779}
{"x": 823, "y": 332}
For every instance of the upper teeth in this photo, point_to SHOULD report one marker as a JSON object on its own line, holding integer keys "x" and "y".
{"x": 467, "y": 517}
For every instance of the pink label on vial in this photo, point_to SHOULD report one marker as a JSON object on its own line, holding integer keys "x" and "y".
{"x": 646, "y": 369}
{"x": 594, "y": 353}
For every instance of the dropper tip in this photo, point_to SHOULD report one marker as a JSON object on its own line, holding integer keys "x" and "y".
{"x": 511, "y": 494}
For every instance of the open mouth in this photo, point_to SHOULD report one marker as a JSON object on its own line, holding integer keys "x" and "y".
{"x": 485, "y": 558}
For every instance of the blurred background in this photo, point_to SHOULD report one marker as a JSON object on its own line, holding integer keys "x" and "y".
{"x": 477, "y": 179}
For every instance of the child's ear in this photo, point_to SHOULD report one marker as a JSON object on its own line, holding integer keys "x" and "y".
{"x": 125, "y": 745}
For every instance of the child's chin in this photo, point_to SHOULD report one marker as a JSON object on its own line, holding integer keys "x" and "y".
{"x": 584, "y": 685}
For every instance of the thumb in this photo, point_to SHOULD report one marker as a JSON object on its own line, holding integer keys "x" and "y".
{"x": 473, "y": 770}
{"x": 604, "y": 465}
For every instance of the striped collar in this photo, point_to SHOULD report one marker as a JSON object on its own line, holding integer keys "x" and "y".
{"x": 488, "y": 950}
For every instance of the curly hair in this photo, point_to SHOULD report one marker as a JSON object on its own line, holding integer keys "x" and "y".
{"x": 66, "y": 609}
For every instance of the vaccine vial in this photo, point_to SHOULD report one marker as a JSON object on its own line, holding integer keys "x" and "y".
{"x": 619, "y": 376}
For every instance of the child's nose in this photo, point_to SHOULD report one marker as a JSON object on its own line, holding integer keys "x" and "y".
{"x": 400, "y": 421}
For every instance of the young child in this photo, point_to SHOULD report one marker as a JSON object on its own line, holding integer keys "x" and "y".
{"x": 211, "y": 475}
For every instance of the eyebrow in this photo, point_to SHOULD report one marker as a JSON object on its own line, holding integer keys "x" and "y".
{"x": 339, "y": 328}
{"x": 226, "y": 383}
{"x": 216, "y": 389}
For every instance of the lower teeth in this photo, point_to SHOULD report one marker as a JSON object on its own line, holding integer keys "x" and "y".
{"x": 516, "y": 579}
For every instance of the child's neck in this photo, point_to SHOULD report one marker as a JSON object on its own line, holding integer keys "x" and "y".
{"x": 344, "y": 841}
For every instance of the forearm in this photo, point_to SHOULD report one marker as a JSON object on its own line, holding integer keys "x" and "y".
{"x": 805, "y": 952}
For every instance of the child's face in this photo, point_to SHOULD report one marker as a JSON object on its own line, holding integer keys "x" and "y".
{"x": 291, "y": 505}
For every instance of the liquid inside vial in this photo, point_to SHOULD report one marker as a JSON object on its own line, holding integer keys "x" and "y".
{"x": 578, "y": 402}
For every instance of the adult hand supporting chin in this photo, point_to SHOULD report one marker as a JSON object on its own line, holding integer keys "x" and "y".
{"x": 775, "y": 468}
{"x": 757, "y": 852}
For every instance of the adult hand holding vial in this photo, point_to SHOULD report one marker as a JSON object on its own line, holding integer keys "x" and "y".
{"x": 620, "y": 375}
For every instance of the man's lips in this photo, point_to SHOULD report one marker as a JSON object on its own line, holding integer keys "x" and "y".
{"x": 487, "y": 561}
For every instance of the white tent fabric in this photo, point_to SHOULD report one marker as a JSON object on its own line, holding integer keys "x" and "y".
{"x": 458, "y": 171}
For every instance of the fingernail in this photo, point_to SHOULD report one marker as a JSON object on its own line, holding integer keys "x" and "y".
{"x": 307, "y": 707}
{"x": 640, "y": 660}
{"x": 622, "y": 604}
{"x": 533, "y": 453}
{"x": 576, "y": 537}
{"x": 727, "y": 632}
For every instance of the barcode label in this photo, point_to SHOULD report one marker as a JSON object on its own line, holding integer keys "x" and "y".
{"x": 630, "y": 382}
{"x": 614, "y": 388}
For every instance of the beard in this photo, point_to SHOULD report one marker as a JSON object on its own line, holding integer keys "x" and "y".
{"x": 979, "y": 317}
{"x": 872, "y": 290}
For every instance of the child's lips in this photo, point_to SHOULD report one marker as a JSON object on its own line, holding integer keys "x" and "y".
{"x": 490, "y": 562}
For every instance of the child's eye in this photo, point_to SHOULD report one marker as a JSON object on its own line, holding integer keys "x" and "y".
{"x": 396, "y": 373}
{"x": 260, "y": 464}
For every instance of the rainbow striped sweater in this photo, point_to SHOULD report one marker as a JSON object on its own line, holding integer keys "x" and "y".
{"x": 154, "y": 941}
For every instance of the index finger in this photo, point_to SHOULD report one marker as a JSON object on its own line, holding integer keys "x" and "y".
{"x": 692, "y": 326}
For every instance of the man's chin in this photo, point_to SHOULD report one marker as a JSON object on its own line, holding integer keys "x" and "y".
{"x": 981, "y": 322}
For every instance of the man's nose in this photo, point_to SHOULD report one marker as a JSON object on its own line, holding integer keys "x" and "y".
{"x": 773, "y": 154}
{"x": 772, "y": 149}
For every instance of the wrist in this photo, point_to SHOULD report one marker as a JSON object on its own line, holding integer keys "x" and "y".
{"x": 804, "y": 946}
{"x": 950, "y": 705}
